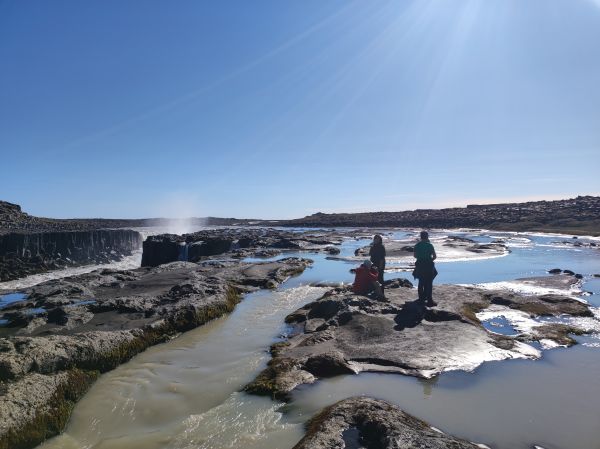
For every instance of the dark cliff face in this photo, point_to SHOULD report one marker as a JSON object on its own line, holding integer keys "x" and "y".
{"x": 237, "y": 242}
{"x": 22, "y": 254}
{"x": 165, "y": 248}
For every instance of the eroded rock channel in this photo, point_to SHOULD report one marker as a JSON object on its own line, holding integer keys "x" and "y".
{"x": 88, "y": 324}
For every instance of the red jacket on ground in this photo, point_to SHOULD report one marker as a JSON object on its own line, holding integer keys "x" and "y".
{"x": 363, "y": 280}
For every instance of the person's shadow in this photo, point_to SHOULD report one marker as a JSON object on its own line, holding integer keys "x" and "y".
{"x": 412, "y": 313}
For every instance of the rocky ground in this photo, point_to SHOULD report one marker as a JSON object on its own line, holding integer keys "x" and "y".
{"x": 579, "y": 215}
{"x": 344, "y": 333}
{"x": 68, "y": 331}
{"x": 370, "y": 423}
{"x": 237, "y": 243}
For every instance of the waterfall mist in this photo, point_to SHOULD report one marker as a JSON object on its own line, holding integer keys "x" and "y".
{"x": 178, "y": 210}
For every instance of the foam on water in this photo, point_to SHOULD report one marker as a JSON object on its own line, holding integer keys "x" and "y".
{"x": 127, "y": 263}
{"x": 240, "y": 421}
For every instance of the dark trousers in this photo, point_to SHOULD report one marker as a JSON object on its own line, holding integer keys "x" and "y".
{"x": 380, "y": 275}
{"x": 425, "y": 288}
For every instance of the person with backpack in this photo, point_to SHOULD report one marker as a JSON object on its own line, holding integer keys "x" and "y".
{"x": 425, "y": 269}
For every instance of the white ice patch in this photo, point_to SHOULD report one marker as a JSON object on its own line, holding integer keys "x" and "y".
{"x": 448, "y": 255}
{"x": 587, "y": 324}
{"x": 519, "y": 320}
{"x": 550, "y": 344}
{"x": 528, "y": 288}
{"x": 514, "y": 242}
{"x": 469, "y": 362}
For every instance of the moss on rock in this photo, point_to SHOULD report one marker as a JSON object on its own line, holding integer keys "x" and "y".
{"x": 50, "y": 419}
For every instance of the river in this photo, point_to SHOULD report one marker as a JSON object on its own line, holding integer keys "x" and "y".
{"x": 186, "y": 393}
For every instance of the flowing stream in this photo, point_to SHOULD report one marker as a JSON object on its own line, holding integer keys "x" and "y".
{"x": 186, "y": 393}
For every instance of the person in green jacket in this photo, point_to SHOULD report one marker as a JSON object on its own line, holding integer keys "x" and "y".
{"x": 425, "y": 269}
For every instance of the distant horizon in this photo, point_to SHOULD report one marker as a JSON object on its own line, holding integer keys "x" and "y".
{"x": 456, "y": 205}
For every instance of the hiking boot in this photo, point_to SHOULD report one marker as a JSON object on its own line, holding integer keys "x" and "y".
{"x": 430, "y": 303}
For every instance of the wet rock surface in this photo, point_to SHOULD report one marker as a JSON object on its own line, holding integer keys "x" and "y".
{"x": 405, "y": 248}
{"x": 364, "y": 422}
{"x": 238, "y": 243}
{"x": 93, "y": 322}
{"x": 344, "y": 333}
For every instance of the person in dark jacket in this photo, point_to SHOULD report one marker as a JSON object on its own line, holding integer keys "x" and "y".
{"x": 377, "y": 255}
{"x": 425, "y": 269}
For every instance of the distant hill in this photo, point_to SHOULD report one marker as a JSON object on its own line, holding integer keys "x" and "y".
{"x": 579, "y": 215}
{"x": 13, "y": 219}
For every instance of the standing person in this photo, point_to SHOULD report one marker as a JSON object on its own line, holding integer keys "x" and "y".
{"x": 425, "y": 269}
{"x": 377, "y": 255}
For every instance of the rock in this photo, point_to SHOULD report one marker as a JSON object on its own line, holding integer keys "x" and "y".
{"x": 314, "y": 325}
{"x": 166, "y": 248}
{"x": 569, "y": 272}
{"x": 38, "y": 406}
{"x": 24, "y": 253}
{"x": 356, "y": 333}
{"x": 575, "y": 215}
{"x": 397, "y": 283}
{"x": 371, "y": 423}
{"x": 555, "y": 271}
{"x": 327, "y": 365}
{"x": 70, "y": 317}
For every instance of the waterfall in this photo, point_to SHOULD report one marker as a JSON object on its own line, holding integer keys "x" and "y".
{"x": 183, "y": 252}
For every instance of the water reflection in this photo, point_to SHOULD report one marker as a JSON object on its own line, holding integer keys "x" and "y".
{"x": 428, "y": 385}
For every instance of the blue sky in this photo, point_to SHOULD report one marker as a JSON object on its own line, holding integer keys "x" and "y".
{"x": 277, "y": 109}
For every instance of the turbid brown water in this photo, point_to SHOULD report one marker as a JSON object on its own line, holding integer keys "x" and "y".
{"x": 184, "y": 394}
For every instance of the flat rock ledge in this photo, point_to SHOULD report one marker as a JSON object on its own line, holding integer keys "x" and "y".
{"x": 344, "y": 333}
{"x": 366, "y": 423}
{"x": 451, "y": 245}
{"x": 68, "y": 331}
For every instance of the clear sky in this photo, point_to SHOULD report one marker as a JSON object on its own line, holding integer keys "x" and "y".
{"x": 277, "y": 109}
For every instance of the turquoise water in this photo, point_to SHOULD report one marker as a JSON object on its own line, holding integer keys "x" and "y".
{"x": 10, "y": 298}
